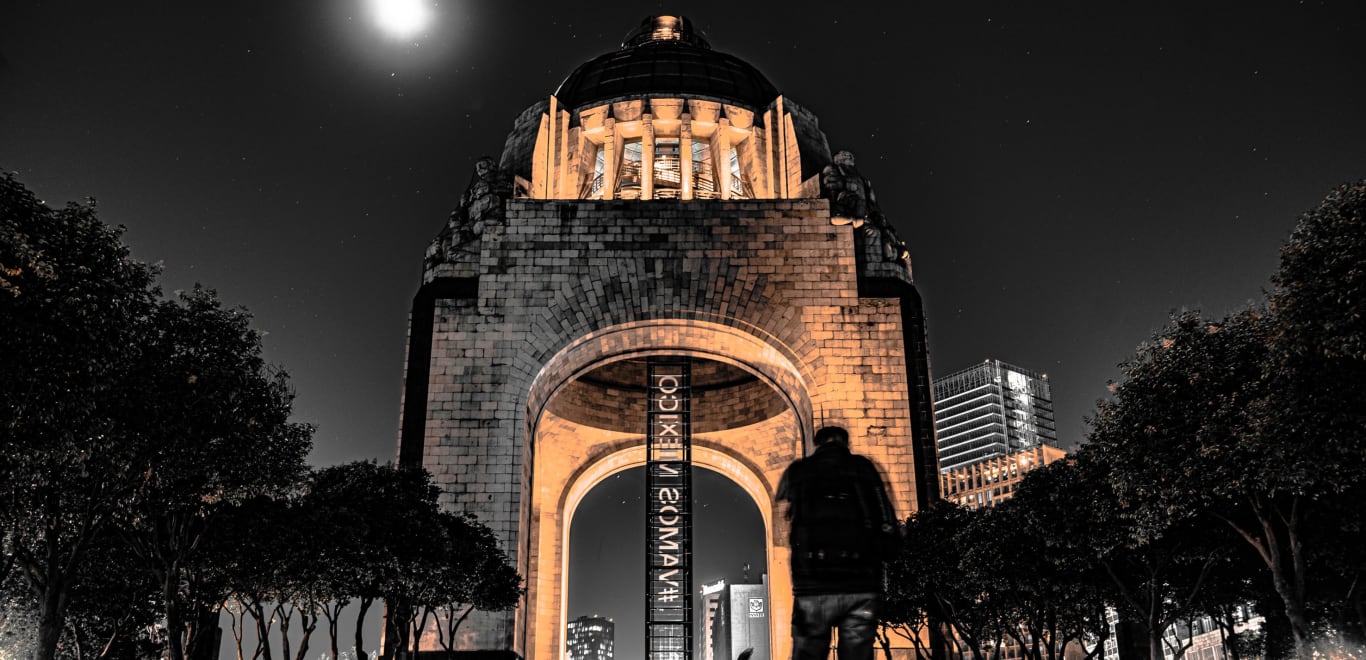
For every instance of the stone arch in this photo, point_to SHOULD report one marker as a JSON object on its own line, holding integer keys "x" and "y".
{"x": 712, "y": 458}
{"x": 566, "y": 460}
{"x": 506, "y": 355}
{"x": 766, "y": 357}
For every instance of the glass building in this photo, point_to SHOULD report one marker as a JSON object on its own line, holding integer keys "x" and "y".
{"x": 991, "y": 410}
{"x": 589, "y": 638}
{"x": 709, "y": 602}
{"x": 739, "y": 621}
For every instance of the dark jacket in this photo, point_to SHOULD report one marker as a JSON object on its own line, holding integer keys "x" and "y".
{"x": 841, "y": 555}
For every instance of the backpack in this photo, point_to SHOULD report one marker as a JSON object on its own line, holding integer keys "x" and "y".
{"x": 836, "y": 521}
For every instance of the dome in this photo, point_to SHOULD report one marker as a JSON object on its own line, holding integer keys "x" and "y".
{"x": 666, "y": 57}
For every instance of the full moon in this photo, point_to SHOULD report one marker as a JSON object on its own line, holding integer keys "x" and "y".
{"x": 401, "y": 18}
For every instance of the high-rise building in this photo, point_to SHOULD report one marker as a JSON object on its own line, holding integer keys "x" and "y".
{"x": 740, "y": 621}
{"x": 709, "y": 601}
{"x": 589, "y": 638}
{"x": 991, "y": 410}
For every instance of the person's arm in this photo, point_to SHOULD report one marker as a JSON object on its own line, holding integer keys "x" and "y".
{"x": 888, "y": 513}
{"x": 884, "y": 502}
{"x": 784, "y": 493}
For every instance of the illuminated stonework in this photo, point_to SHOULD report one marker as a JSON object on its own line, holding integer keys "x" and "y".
{"x": 556, "y": 280}
{"x": 665, "y": 117}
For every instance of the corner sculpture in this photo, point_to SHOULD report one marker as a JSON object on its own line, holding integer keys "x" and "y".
{"x": 481, "y": 203}
{"x": 852, "y": 200}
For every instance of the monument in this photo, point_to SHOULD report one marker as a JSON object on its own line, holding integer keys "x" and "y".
{"x": 665, "y": 206}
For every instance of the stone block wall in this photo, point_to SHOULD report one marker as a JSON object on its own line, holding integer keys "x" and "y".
{"x": 770, "y": 286}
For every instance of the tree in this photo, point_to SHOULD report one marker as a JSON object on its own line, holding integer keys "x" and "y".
{"x": 1150, "y": 567}
{"x": 1320, "y": 292}
{"x": 1313, "y": 417}
{"x": 930, "y": 578}
{"x": 1047, "y": 502}
{"x": 387, "y": 513}
{"x": 1233, "y": 403}
{"x": 213, "y": 419}
{"x": 113, "y": 608}
{"x": 261, "y": 551}
{"x": 336, "y": 555}
{"x": 1048, "y": 592}
{"x": 74, "y": 304}
{"x": 474, "y": 574}
{"x": 122, "y": 413}
{"x": 907, "y": 604}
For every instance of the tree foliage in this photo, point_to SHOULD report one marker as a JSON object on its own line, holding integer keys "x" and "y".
{"x": 1256, "y": 422}
{"x": 357, "y": 534}
{"x": 934, "y": 579}
{"x": 214, "y": 420}
{"x": 115, "y": 609}
{"x": 1026, "y": 572}
{"x": 471, "y": 573}
{"x": 74, "y": 305}
{"x": 128, "y": 421}
{"x": 1046, "y": 598}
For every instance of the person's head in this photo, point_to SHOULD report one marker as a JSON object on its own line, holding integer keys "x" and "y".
{"x": 830, "y": 434}
{"x": 844, "y": 157}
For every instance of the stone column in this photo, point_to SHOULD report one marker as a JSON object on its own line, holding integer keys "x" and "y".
{"x": 720, "y": 156}
{"x": 647, "y": 157}
{"x": 685, "y": 155}
{"x": 552, "y": 155}
{"x": 609, "y": 159}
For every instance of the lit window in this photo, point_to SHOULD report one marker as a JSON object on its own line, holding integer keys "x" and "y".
{"x": 737, "y": 180}
{"x": 628, "y": 181}
{"x": 668, "y": 169}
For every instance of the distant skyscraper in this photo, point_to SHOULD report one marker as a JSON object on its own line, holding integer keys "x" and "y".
{"x": 740, "y": 621}
{"x": 705, "y": 614}
{"x": 589, "y": 638}
{"x": 991, "y": 410}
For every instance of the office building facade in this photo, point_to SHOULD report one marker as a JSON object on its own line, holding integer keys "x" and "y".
{"x": 589, "y": 638}
{"x": 986, "y": 483}
{"x": 740, "y": 621}
{"x": 991, "y": 410}
{"x": 709, "y": 602}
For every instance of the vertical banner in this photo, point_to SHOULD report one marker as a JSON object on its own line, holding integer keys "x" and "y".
{"x": 668, "y": 511}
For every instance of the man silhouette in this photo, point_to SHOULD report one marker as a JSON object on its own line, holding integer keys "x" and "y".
{"x": 839, "y": 513}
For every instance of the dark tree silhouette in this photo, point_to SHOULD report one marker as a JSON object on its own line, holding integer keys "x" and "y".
{"x": 1314, "y": 417}
{"x": 126, "y": 414}
{"x": 113, "y": 609}
{"x": 74, "y": 305}
{"x": 215, "y": 421}
{"x": 930, "y": 581}
{"x": 473, "y": 574}
{"x": 387, "y": 513}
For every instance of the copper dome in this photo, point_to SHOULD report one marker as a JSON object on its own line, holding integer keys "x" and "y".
{"x": 665, "y": 57}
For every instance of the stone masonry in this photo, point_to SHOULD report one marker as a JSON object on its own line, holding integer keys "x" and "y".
{"x": 666, "y": 200}
{"x": 564, "y": 285}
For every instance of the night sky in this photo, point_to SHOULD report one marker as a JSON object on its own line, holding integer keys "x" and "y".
{"x": 1064, "y": 177}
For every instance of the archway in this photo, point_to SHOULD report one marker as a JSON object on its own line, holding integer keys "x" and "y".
{"x": 586, "y": 423}
{"x": 606, "y": 567}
